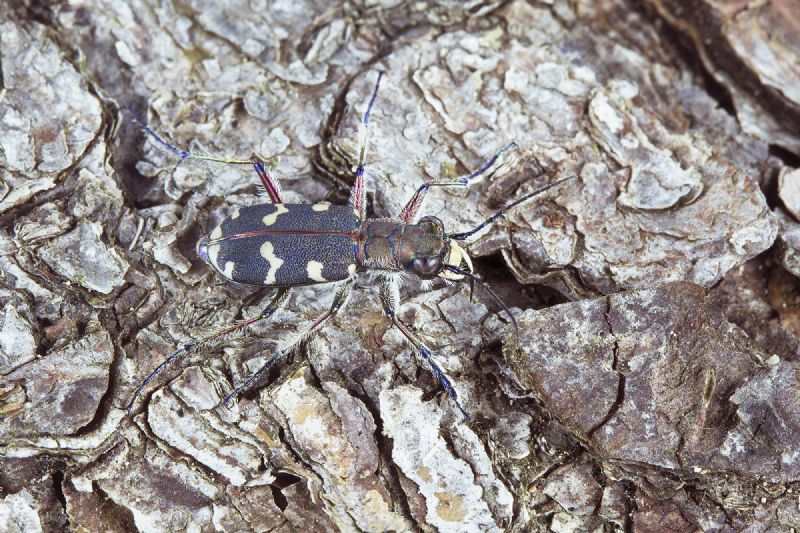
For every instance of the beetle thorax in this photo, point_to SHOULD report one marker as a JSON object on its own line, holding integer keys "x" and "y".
{"x": 388, "y": 244}
{"x": 421, "y": 249}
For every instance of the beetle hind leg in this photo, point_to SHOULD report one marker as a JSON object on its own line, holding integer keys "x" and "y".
{"x": 270, "y": 183}
{"x": 268, "y": 311}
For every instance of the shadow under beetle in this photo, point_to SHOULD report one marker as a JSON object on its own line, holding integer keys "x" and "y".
{"x": 288, "y": 245}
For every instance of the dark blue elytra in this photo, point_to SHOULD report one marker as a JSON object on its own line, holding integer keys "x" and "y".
{"x": 285, "y": 245}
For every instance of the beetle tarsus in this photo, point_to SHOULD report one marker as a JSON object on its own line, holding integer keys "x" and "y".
{"x": 443, "y": 379}
{"x": 253, "y": 377}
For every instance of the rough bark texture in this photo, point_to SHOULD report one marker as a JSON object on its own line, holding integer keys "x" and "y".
{"x": 654, "y": 384}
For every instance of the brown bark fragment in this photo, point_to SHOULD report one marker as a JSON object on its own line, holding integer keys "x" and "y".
{"x": 668, "y": 404}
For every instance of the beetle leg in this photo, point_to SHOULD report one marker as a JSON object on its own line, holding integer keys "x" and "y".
{"x": 270, "y": 183}
{"x": 388, "y": 296}
{"x": 339, "y": 301}
{"x": 464, "y": 235}
{"x": 413, "y": 205}
{"x": 268, "y": 311}
{"x": 358, "y": 195}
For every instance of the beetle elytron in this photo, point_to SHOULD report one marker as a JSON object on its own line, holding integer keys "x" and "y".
{"x": 287, "y": 245}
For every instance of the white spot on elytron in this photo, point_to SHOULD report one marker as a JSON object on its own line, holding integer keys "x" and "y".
{"x": 213, "y": 254}
{"x": 322, "y": 206}
{"x": 272, "y": 217}
{"x": 228, "y": 271}
{"x": 351, "y": 269}
{"x": 213, "y": 250}
{"x": 314, "y": 269}
{"x": 235, "y": 213}
{"x": 275, "y": 262}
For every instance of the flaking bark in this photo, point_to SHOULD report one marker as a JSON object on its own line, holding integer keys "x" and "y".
{"x": 653, "y": 387}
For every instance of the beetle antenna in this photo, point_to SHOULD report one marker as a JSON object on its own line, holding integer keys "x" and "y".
{"x": 467, "y": 234}
{"x": 476, "y": 280}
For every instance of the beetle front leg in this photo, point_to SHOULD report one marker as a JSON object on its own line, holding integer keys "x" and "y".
{"x": 339, "y": 301}
{"x": 388, "y": 296}
{"x": 413, "y": 205}
{"x": 268, "y": 311}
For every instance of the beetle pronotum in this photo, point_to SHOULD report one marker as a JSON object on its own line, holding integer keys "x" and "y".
{"x": 288, "y": 245}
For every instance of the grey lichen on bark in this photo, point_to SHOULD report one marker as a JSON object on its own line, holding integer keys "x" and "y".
{"x": 653, "y": 383}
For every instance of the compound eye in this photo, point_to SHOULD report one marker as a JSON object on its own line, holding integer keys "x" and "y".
{"x": 433, "y": 221}
{"x": 427, "y": 267}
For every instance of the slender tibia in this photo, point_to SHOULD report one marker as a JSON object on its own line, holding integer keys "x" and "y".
{"x": 270, "y": 184}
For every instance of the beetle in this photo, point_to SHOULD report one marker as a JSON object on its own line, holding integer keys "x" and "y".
{"x": 288, "y": 245}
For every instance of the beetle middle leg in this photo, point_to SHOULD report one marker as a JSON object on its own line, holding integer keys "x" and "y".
{"x": 339, "y": 301}
{"x": 388, "y": 296}
{"x": 268, "y": 311}
{"x": 413, "y": 205}
{"x": 358, "y": 196}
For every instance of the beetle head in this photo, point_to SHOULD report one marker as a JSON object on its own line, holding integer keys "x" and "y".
{"x": 431, "y": 250}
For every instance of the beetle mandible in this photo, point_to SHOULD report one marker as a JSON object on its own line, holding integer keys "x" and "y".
{"x": 288, "y": 245}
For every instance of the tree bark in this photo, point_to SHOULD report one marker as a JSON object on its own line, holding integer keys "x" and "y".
{"x": 653, "y": 383}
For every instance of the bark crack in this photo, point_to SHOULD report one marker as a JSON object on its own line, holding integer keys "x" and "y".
{"x": 620, "y": 397}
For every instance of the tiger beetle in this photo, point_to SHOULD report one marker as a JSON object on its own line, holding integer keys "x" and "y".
{"x": 290, "y": 245}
